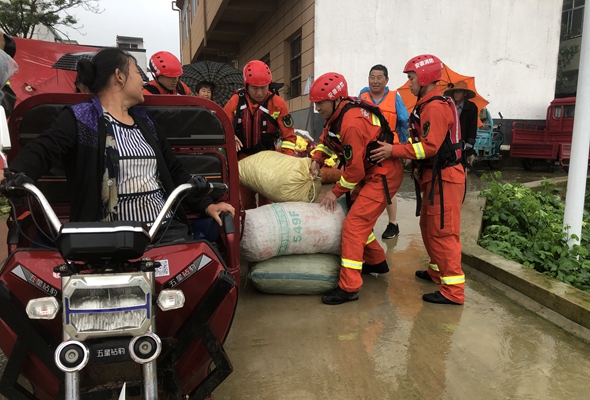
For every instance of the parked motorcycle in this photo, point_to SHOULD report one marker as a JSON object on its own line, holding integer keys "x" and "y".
{"x": 89, "y": 307}
{"x": 488, "y": 141}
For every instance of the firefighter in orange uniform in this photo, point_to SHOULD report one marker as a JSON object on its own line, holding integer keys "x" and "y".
{"x": 259, "y": 117}
{"x": 436, "y": 145}
{"x": 352, "y": 128}
{"x": 167, "y": 70}
{"x": 394, "y": 109}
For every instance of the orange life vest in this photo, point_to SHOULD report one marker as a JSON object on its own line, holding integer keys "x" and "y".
{"x": 257, "y": 131}
{"x": 387, "y": 107}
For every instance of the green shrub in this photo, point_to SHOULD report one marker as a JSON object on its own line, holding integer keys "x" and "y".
{"x": 526, "y": 226}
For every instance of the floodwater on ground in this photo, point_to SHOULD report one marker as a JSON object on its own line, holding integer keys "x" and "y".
{"x": 392, "y": 345}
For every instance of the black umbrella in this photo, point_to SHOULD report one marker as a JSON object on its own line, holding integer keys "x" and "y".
{"x": 69, "y": 61}
{"x": 225, "y": 78}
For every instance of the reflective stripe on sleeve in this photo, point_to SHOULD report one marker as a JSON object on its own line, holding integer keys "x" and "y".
{"x": 452, "y": 280}
{"x": 323, "y": 149}
{"x": 347, "y": 185}
{"x": 346, "y": 263}
{"x": 288, "y": 145}
{"x": 419, "y": 150}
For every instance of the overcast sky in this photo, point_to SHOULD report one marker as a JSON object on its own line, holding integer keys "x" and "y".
{"x": 152, "y": 20}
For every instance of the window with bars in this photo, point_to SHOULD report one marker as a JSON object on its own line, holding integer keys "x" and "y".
{"x": 572, "y": 18}
{"x": 295, "y": 67}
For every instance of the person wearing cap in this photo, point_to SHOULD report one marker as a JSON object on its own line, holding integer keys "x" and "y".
{"x": 468, "y": 113}
{"x": 392, "y": 106}
{"x": 437, "y": 148}
{"x": 7, "y": 96}
{"x": 351, "y": 129}
{"x": 259, "y": 117}
{"x": 166, "y": 69}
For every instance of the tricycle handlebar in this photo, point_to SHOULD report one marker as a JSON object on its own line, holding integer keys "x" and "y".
{"x": 200, "y": 186}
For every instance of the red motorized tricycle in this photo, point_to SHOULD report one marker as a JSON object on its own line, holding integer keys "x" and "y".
{"x": 86, "y": 308}
{"x": 550, "y": 142}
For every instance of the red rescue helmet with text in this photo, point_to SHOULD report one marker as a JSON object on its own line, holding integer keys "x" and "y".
{"x": 427, "y": 67}
{"x": 329, "y": 86}
{"x": 164, "y": 63}
{"x": 257, "y": 73}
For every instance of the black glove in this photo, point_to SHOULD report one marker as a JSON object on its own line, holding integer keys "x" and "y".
{"x": 17, "y": 180}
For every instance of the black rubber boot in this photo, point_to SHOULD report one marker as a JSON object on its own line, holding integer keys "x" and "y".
{"x": 381, "y": 268}
{"x": 424, "y": 275}
{"x": 438, "y": 298}
{"x": 338, "y": 296}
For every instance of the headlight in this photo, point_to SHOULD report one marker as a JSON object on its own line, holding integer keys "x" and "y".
{"x": 43, "y": 308}
{"x": 107, "y": 305}
{"x": 170, "y": 299}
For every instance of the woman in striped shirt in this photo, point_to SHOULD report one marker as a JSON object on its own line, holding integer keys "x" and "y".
{"x": 117, "y": 161}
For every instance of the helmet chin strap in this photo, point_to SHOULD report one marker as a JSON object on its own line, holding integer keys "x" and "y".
{"x": 156, "y": 78}
{"x": 335, "y": 106}
{"x": 420, "y": 94}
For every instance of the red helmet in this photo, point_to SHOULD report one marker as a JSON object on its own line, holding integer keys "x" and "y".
{"x": 329, "y": 86}
{"x": 257, "y": 73}
{"x": 164, "y": 63}
{"x": 427, "y": 67}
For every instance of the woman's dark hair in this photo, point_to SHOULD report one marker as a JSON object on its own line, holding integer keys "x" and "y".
{"x": 95, "y": 73}
{"x": 204, "y": 84}
{"x": 380, "y": 67}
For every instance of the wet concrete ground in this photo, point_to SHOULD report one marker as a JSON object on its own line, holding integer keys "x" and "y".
{"x": 392, "y": 345}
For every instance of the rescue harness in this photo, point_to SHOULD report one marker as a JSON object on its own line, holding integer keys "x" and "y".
{"x": 262, "y": 137}
{"x": 448, "y": 155}
{"x": 344, "y": 152}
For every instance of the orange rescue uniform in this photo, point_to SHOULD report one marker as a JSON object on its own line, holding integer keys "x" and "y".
{"x": 276, "y": 109}
{"x": 359, "y": 127}
{"x": 443, "y": 245}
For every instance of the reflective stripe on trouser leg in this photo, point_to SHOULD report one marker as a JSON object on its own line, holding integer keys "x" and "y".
{"x": 452, "y": 280}
{"x": 374, "y": 253}
{"x": 356, "y": 229}
{"x": 445, "y": 244}
{"x": 434, "y": 272}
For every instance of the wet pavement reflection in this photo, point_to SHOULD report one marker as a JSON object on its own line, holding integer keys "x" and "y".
{"x": 392, "y": 345}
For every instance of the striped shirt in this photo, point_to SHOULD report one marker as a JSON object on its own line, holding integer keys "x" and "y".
{"x": 140, "y": 196}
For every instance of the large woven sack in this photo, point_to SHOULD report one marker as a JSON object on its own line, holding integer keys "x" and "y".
{"x": 291, "y": 228}
{"x": 296, "y": 274}
{"x": 279, "y": 177}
